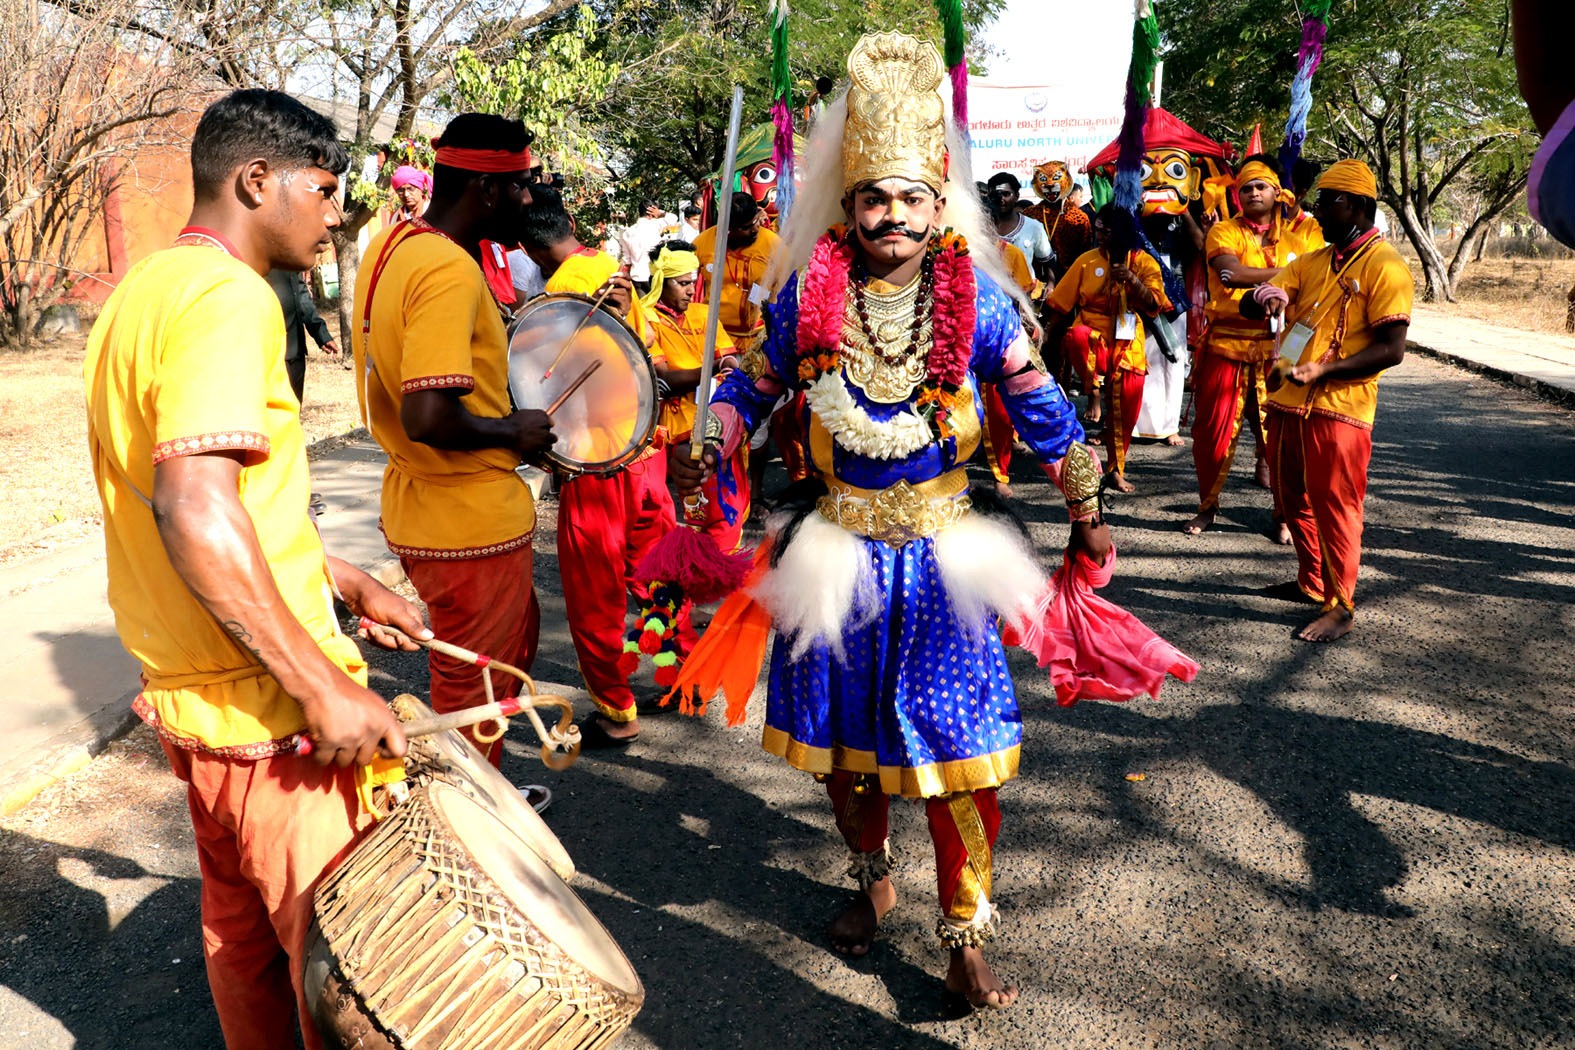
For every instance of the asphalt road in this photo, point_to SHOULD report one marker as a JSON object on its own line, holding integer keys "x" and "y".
{"x": 1361, "y": 845}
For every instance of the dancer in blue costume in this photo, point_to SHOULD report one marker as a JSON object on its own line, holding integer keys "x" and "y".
{"x": 886, "y": 585}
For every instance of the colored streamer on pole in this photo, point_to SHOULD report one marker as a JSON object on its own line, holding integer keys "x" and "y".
{"x": 1140, "y": 92}
{"x": 1315, "y": 29}
{"x": 781, "y": 109}
{"x": 953, "y": 38}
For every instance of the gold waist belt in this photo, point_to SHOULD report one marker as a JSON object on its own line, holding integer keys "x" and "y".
{"x": 900, "y": 513}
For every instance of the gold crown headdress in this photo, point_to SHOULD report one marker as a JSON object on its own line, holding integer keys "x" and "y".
{"x": 896, "y": 121}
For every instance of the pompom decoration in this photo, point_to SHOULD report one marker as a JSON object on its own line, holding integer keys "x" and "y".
{"x": 1140, "y": 92}
{"x": 650, "y": 643}
{"x": 689, "y": 560}
{"x": 781, "y": 110}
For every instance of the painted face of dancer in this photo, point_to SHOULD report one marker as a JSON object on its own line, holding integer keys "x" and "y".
{"x": 894, "y": 218}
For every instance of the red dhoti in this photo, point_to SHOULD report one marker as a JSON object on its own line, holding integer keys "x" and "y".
{"x": 999, "y": 434}
{"x": 1319, "y": 468}
{"x": 267, "y": 829}
{"x": 728, "y": 536}
{"x": 1123, "y": 401}
{"x": 605, "y": 526}
{"x": 963, "y": 827}
{"x": 1223, "y": 392}
{"x": 487, "y": 605}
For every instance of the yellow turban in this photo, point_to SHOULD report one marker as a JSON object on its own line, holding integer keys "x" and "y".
{"x": 669, "y": 264}
{"x": 1350, "y": 176}
{"x": 1257, "y": 170}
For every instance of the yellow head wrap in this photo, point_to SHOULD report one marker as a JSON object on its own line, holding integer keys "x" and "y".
{"x": 1350, "y": 176}
{"x": 1257, "y": 170}
{"x": 669, "y": 264}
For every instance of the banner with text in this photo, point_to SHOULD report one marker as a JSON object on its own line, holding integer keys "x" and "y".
{"x": 1015, "y": 128}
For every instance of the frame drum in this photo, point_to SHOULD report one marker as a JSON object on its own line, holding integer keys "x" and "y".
{"x": 444, "y": 931}
{"x": 609, "y": 418}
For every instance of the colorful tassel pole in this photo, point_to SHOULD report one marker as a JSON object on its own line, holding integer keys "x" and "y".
{"x": 781, "y": 110}
{"x": 953, "y": 38}
{"x": 1140, "y": 92}
{"x": 1315, "y": 28}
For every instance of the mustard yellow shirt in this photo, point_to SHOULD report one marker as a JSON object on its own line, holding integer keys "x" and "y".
{"x": 187, "y": 357}
{"x": 1085, "y": 289}
{"x": 435, "y": 326}
{"x": 1373, "y": 288}
{"x": 1230, "y": 334}
{"x": 745, "y": 268}
{"x": 680, "y": 344}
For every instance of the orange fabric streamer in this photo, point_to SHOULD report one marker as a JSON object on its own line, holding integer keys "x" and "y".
{"x": 729, "y": 656}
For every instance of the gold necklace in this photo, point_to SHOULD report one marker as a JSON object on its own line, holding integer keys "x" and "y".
{"x": 890, "y": 365}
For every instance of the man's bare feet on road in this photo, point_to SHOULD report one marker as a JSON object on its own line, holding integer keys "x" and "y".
{"x": 853, "y": 932}
{"x": 1281, "y": 534}
{"x": 1004, "y": 490}
{"x": 620, "y": 730}
{"x": 1120, "y": 483}
{"x": 1330, "y": 627}
{"x": 1260, "y": 473}
{"x": 970, "y": 977}
{"x": 1176, "y": 441}
{"x": 1196, "y": 526}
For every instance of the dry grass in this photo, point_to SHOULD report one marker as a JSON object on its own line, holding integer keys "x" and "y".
{"x": 1530, "y": 294}
{"x": 44, "y": 470}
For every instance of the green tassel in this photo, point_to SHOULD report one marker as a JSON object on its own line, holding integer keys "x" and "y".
{"x": 952, "y": 33}
{"x": 1145, "y": 56}
{"x": 665, "y": 658}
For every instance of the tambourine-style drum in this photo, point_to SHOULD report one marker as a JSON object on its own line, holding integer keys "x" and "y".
{"x": 584, "y": 366}
{"x": 451, "y": 758}
{"x": 444, "y": 931}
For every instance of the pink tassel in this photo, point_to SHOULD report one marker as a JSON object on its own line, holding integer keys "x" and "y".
{"x": 960, "y": 95}
{"x": 690, "y": 560}
{"x": 1096, "y": 650}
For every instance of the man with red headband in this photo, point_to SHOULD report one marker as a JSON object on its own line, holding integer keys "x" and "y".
{"x": 1347, "y": 307}
{"x": 432, "y": 376}
{"x": 1243, "y": 252}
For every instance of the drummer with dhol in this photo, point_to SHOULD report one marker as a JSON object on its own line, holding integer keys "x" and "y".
{"x": 217, "y": 576}
{"x": 432, "y": 377}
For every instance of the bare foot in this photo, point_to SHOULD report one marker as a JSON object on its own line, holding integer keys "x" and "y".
{"x": 1330, "y": 627}
{"x": 1281, "y": 534}
{"x": 1119, "y": 483}
{"x": 1096, "y": 410}
{"x": 852, "y": 933}
{"x": 1176, "y": 441}
{"x": 970, "y": 977}
{"x": 1196, "y": 526}
{"x": 1004, "y": 490}
{"x": 620, "y": 730}
{"x": 1260, "y": 473}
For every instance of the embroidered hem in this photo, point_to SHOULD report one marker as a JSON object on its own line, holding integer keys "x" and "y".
{"x": 241, "y": 752}
{"x": 221, "y": 441}
{"x": 936, "y": 778}
{"x": 460, "y": 553}
{"x": 453, "y": 381}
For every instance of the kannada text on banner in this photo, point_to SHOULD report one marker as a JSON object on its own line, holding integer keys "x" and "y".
{"x": 1016, "y": 128}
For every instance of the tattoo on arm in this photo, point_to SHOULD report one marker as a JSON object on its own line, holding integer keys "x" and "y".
{"x": 239, "y": 632}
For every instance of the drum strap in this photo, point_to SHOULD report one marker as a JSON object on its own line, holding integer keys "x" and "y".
{"x": 406, "y": 229}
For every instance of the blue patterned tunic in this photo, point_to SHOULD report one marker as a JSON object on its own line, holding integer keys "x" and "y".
{"x": 922, "y": 699}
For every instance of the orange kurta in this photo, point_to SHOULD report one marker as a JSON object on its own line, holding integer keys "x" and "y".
{"x": 1320, "y": 435}
{"x": 433, "y": 325}
{"x": 746, "y": 268}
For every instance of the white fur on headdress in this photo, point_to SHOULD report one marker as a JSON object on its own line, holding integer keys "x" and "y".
{"x": 817, "y": 204}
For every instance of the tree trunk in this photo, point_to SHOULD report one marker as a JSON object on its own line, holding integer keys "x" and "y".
{"x": 347, "y": 251}
{"x": 1476, "y": 234}
{"x": 1435, "y": 270}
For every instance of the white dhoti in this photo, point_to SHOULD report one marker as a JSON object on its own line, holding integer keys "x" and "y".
{"x": 1160, "y": 415}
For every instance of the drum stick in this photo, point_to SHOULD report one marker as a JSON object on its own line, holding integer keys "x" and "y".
{"x": 568, "y": 392}
{"x": 724, "y": 220}
{"x": 470, "y": 716}
{"x": 595, "y": 304}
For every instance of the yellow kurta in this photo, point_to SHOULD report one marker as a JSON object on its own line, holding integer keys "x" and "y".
{"x": 1372, "y": 289}
{"x": 186, "y": 358}
{"x": 746, "y": 268}
{"x": 1085, "y": 289}
{"x": 1230, "y": 334}
{"x": 435, "y": 326}
{"x": 680, "y": 345}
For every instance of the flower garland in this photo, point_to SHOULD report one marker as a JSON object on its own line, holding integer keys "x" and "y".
{"x": 851, "y": 427}
{"x": 822, "y": 305}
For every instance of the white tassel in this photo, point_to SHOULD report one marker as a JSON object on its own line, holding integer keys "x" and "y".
{"x": 822, "y": 586}
{"x": 987, "y": 567}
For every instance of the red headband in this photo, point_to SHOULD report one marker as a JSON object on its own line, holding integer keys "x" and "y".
{"x": 487, "y": 161}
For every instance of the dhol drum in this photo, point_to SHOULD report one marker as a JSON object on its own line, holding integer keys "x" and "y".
{"x": 444, "y": 931}
{"x": 584, "y": 366}
{"x": 452, "y": 759}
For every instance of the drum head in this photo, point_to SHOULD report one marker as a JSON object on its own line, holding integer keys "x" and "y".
{"x": 460, "y": 764}
{"x": 609, "y": 419}
{"x": 538, "y": 895}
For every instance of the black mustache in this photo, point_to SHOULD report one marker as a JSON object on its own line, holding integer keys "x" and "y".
{"x": 875, "y": 233}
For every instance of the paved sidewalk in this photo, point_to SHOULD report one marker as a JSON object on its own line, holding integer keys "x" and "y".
{"x": 72, "y": 683}
{"x": 1543, "y": 362}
